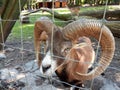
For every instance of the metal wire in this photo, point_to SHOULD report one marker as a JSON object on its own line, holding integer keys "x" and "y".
{"x": 51, "y": 50}
{"x": 21, "y": 33}
{"x": 22, "y": 44}
{"x": 3, "y": 43}
{"x": 97, "y": 50}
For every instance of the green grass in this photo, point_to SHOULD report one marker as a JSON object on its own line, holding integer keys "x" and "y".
{"x": 27, "y": 29}
{"x": 22, "y": 30}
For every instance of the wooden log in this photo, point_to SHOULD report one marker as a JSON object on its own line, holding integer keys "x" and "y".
{"x": 25, "y": 19}
{"x": 112, "y": 12}
{"x": 114, "y": 26}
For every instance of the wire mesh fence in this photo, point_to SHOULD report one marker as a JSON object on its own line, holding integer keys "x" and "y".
{"x": 19, "y": 70}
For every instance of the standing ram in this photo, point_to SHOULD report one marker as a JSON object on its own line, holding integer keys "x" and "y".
{"x": 71, "y": 54}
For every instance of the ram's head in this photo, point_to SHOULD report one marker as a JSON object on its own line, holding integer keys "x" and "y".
{"x": 64, "y": 45}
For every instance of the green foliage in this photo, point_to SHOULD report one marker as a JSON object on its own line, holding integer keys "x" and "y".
{"x": 26, "y": 30}
{"x": 72, "y": 3}
{"x": 91, "y": 2}
{"x": 1, "y": 1}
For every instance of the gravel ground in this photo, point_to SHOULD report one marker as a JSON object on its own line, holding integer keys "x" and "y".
{"x": 16, "y": 57}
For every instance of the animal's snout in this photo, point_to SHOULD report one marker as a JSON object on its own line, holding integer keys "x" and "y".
{"x": 45, "y": 68}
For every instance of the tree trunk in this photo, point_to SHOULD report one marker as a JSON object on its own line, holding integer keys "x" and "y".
{"x": 9, "y": 13}
{"x": 110, "y": 13}
{"x": 99, "y": 14}
{"x": 114, "y": 26}
{"x": 115, "y": 14}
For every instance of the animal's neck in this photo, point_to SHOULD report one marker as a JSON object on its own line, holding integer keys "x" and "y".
{"x": 63, "y": 76}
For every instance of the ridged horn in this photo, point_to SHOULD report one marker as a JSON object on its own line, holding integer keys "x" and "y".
{"x": 42, "y": 28}
{"x": 92, "y": 28}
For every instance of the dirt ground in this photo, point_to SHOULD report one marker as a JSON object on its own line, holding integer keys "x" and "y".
{"x": 16, "y": 56}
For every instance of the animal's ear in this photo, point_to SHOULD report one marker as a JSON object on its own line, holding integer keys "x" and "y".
{"x": 72, "y": 61}
{"x": 78, "y": 53}
{"x": 65, "y": 47}
{"x": 74, "y": 54}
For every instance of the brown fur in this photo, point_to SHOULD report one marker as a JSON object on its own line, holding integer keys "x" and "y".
{"x": 81, "y": 51}
{"x": 41, "y": 35}
{"x": 78, "y": 59}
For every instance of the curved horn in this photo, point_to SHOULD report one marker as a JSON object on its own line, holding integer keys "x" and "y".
{"x": 42, "y": 31}
{"x": 92, "y": 28}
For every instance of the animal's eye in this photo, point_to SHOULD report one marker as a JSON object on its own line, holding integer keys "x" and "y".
{"x": 65, "y": 51}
